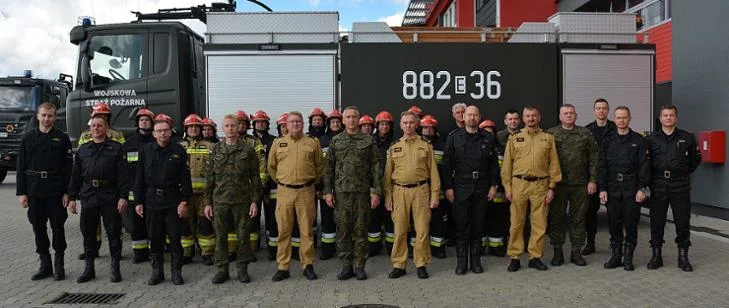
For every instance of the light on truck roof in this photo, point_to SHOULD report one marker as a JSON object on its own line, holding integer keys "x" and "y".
{"x": 28, "y": 73}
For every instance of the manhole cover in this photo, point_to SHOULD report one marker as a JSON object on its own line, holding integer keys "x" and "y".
{"x": 88, "y": 298}
{"x": 370, "y": 306}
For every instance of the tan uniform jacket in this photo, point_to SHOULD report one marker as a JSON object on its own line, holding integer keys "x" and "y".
{"x": 531, "y": 154}
{"x": 295, "y": 161}
{"x": 409, "y": 161}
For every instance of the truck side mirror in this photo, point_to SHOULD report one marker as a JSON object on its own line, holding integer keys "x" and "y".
{"x": 85, "y": 72}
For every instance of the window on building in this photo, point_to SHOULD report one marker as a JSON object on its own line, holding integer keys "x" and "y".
{"x": 448, "y": 19}
{"x": 652, "y": 12}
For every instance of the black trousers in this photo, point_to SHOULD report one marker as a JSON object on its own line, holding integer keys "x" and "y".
{"x": 269, "y": 213}
{"x": 161, "y": 222}
{"x": 681, "y": 206}
{"x": 40, "y": 212}
{"x": 91, "y": 216}
{"x": 139, "y": 232}
{"x": 623, "y": 213}
{"x": 593, "y": 206}
{"x": 470, "y": 217}
{"x": 328, "y": 227}
{"x": 438, "y": 221}
{"x": 497, "y": 220}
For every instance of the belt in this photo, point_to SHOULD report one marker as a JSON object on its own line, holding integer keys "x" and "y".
{"x": 530, "y": 178}
{"x": 666, "y": 174}
{"x": 42, "y": 174}
{"x": 307, "y": 184}
{"x": 161, "y": 192}
{"x": 100, "y": 183}
{"x": 473, "y": 175}
{"x": 411, "y": 185}
{"x": 623, "y": 177}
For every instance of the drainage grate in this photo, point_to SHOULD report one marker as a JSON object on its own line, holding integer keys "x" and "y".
{"x": 88, "y": 298}
{"x": 370, "y": 306}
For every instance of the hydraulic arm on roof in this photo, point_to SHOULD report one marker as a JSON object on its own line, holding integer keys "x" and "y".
{"x": 196, "y": 12}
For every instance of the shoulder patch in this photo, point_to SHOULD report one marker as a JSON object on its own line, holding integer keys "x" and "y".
{"x": 519, "y": 139}
{"x": 283, "y": 145}
{"x": 56, "y": 139}
{"x": 397, "y": 150}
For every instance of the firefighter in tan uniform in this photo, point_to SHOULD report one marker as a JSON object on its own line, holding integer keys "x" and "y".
{"x": 530, "y": 172}
{"x": 412, "y": 188}
{"x": 254, "y": 224}
{"x": 197, "y": 228}
{"x": 296, "y": 164}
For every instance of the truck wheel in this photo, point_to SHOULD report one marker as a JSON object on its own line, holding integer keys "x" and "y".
{"x": 3, "y": 173}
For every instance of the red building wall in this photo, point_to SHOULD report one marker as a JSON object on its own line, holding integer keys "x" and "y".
{"x": 514, "y": 12}
{"x": 465, "y": 13}
{"x": 661, "y": 36}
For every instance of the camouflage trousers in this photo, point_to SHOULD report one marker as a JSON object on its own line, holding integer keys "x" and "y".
{"x": 563, "y": 219}
{"x": 221, "y": 215}
{"x": 352, "y": 214}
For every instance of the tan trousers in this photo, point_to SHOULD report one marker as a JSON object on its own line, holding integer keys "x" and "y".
{"x": 523, "y": 194}
{"x": 413, "y": 201}
{"x": 301, "y": 202}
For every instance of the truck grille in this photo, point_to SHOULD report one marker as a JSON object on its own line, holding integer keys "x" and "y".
{"x": 10, "y": 134}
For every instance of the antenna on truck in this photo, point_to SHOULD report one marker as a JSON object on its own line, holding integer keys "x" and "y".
{"x": 196, "y": 12}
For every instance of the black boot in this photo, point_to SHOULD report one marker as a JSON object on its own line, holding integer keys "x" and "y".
{"x": 158, "y": 274}
{"x": 374, "y": 249}
{"x": 461, "y": 259}
{"x": 176, "y": 270}
{"x": 222, "y": 275}
{"x": 476, "y": 248}
{"x": 243, "y": 274}
{"x": 59, "y": 273}
{"x": 616, "y": 259}
{"x": 628, "y": 257}
{"x": 89, "y": 272}
{"x": 207, "y": 260}
{"x": 589, "y": 247}
{"x": 576, "y": 257}
{"x": 346, "y": 273}
{"x": 558, "y": 258}
{"x": 683, "y": 260}
{"x": 115, "y": 271}
{"x": 656, "y": 261}
{"x": 438, "y": 252}
{"x": 45, "y": 270}
{"x": 140, "y": 255}
{"x": 272, "y": 251}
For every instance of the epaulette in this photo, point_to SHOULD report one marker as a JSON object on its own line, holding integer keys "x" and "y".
{"x": 515, "y": 132}
{"x": 394, "y": 142}
{"x": 548, "y": 132}
{"x": 426, "y": 139}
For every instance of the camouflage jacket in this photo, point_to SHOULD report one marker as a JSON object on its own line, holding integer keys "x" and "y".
{"x": 352, "y": 165}
{"x": 232, "y": 174}
{"x": 578, "y": 154}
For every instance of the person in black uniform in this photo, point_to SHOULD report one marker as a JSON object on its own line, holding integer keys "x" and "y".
{"x": 381, "y": 217}
{"x": 44, "y": 168}
{"x": 261, "y": 126}
{"x": 162, "y": 187}
{"x": 623, "y": 176}
{"x": 130, "y": 150}
{"x": 674, "y": 155}
{"x": 334, "y": 126}
{"x": 439, "y": 219}
{"x": 599, "y": 128}
{"x": 472, "y": 176}
{"x": 98, "y": 181}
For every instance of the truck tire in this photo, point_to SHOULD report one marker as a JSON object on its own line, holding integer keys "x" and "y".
{"x": 3, "y": 174}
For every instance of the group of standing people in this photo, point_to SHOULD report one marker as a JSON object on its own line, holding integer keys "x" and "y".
{"x": 474, "y": 188}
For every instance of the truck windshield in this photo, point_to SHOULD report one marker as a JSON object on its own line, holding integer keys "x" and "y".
{"x": 116, "y": 58}
{"x": 16, "y": 98}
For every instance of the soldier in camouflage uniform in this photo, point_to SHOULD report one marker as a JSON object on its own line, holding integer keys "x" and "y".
{"x": 578, "y": 156}
{"x": 254, "y": 225}
{"x": 196, "y": 228}
{"x": 100, "y": 109}
{"x": 352, "y": 167}
{"x": 233, "y": 186}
